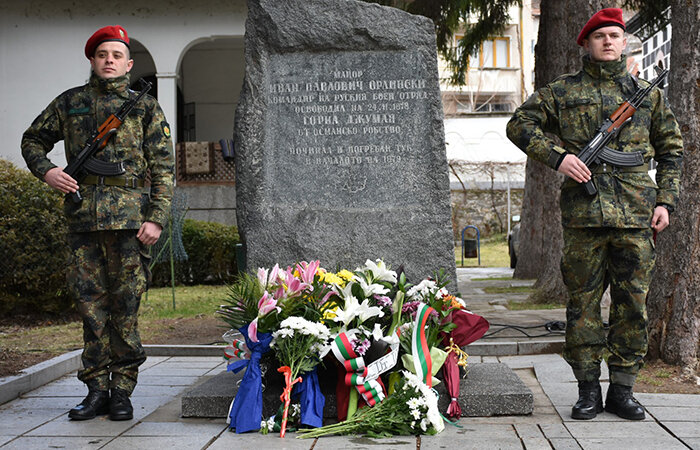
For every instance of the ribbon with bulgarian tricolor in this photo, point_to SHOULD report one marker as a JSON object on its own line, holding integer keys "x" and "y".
{"x": 422, "y": 361}
{"x": 363, "y": 377}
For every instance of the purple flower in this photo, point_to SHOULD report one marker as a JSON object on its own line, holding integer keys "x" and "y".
{"x": 361, "y": 347}
{"x": 383, "y": 301}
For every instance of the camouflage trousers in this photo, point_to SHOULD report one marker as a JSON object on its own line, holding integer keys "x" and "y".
{"x": 108, "y": 274}
{"x": 594, "y": 258}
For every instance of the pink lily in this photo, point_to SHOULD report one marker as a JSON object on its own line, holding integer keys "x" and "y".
{"x": 266, "y": 304}
{"x": 308, "y": 270}
{"x": 253, "y": 330}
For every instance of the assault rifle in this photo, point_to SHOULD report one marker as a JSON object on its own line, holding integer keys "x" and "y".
{"x": 85, "y": 162}
{"x": 597, "y": 152}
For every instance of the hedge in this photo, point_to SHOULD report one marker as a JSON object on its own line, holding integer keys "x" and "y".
{"x": 211, "y": 251}
{"x": 33, "y": 249}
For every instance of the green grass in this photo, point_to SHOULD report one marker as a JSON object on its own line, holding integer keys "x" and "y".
{"x": 190, "y": 301}
{"x": 508, "y": 289}
{"x": 494, "y": 253}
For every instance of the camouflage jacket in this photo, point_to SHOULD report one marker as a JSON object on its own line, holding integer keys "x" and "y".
{"x": 573, "y": 107}
{"x": 142, "y": 142}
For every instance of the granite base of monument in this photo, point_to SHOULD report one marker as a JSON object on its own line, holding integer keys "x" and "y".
{"x": 489, "y": 390}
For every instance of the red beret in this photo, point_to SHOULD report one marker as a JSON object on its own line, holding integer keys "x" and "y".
{"x": 109, "y": 33}
{"x": 603, "y": 18}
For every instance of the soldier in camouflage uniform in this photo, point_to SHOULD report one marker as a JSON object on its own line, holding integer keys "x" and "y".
{"x": 111, "y": 229}
{"x": 608, "y": 237}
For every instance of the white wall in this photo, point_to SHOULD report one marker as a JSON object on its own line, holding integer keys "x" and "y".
{"x": 42, "y": 50}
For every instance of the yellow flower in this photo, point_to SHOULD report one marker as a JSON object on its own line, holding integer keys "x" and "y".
{"x": 329, "y": 313}
{"x": 346, "y": 275}
{"x": 331, "y": 278}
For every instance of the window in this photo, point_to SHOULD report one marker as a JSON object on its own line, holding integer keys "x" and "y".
{"x": 492, "y": 53}
{"x": 495, "y": 53}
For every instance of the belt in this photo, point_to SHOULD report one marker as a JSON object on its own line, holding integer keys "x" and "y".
{"x": 128, "y": 182}
{"x": 609, "y": 168}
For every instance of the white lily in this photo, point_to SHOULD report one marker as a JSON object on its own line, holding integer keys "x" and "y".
{"x": 371, "y": 289}
{"x": 350, "y": 311}
{"x": 380, "y": 271}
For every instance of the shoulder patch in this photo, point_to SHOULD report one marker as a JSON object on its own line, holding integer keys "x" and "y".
{"x": 166, "y": 128}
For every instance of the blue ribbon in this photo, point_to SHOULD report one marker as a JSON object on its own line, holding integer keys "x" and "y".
{"x": 246, "y": 410}
{"x": 311, "y": 399}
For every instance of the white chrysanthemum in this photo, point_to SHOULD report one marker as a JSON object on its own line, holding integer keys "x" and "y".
{"x": 429, "y": 397}
{"x": 422, "y": 289}
{"x": 415, "y": 413}
{"x": 413, "y": 424}
{"x": 413, "y": 403}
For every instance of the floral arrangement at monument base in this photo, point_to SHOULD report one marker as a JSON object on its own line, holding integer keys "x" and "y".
{"x": 387, "y": 338}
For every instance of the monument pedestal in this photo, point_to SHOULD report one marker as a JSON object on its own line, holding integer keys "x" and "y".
{"x": 489, "y": 390}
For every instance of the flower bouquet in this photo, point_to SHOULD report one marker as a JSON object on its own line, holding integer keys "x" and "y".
{"x": 299, "y": 345}
{"x": 410, "y": 410}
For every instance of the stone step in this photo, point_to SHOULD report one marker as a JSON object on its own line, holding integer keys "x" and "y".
{"x": 490, "y": 389}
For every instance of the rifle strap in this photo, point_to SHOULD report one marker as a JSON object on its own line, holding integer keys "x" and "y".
{"x": 609, "y": 168}
{"x": 128, "y": 182}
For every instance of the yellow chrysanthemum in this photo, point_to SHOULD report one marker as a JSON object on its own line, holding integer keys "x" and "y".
{"x": 331, "y": 278}
{"x": 346, "y": 275}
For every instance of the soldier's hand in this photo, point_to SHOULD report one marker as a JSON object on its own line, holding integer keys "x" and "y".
{"x": 149, "y": 233}
{"x": 59, "y": 180}
{"x": 574, "y": 168}
{"x": 660, "y": 220}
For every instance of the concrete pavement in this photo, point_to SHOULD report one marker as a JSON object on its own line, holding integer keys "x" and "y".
{"x": 37, "y": 419}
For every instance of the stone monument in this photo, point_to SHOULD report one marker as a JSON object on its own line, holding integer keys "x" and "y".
{"x": 340, "y": 150}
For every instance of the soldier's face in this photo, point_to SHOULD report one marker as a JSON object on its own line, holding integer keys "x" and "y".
{"x": 111, "y": 60}
{"x": 605, "y": 44}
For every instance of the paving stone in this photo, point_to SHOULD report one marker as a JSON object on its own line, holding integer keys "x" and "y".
{"x": 364, "y": 443}
{"x": 229, "y": 440}
{"x": 555, "y": 431}
{"x": 156, "y": 391}
{"x": 57, "y": 390}
{"x": 157, "y": 380}
{"x": 473, "y": 436}
{"x": 5, "y": 439}
{"x": 182, "y": 428}
{"x": 152, "y": 361}
{"x": 650, "y": 443}
{"x": 18, "y": 422}
{"x": 149, "y": 443}
{"x": 58, "y": 404}
{"x": 692, "y": 443}
{"x": 561, "y": 394}
{"x": 684, "y": 429}
{"x": 591, "y": 429}
{"x": 671, "y": 413}
{"x": 54, "y": 442}
{"x": 683, "y": 400}
{"x": 564, "y": 444}
{"x": 536, "y": 443}
{"x": 554, "y": 372}
{"x": 208, "y": 363}
{"x": 187, "y": 359}
{"x": 172, "y": 370}
{"x": 489, "y": 359}
{"x": 528, "y": 431}
{"x": 100, "y": 426}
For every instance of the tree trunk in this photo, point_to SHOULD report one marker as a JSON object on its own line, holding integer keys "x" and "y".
{"x": 540, "y": 243}
{"x": 674, "y": 297}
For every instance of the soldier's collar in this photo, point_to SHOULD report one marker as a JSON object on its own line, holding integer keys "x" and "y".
{"x": 607, "y": 69}
{"x": 119, "y": 85}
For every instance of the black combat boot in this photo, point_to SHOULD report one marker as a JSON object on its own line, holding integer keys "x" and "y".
{"x": 95, "y": 404}
{"x": 120, "y": 406}
{"x": 621, "y": 402}
{"x": 590, "y": 401}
